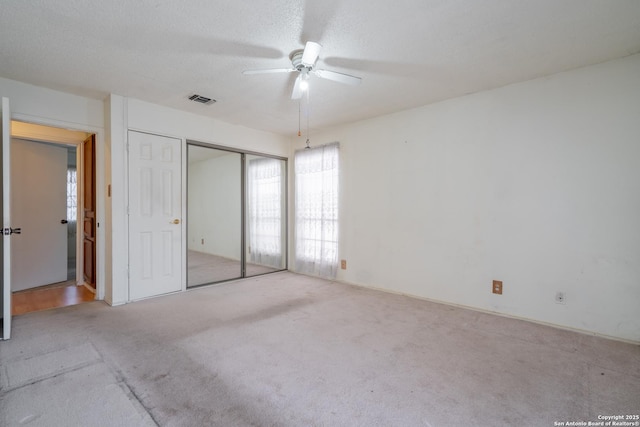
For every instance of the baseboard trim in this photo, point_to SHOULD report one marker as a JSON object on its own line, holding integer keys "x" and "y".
{"x": 497, "y": 313}
{"x": 86, "y": 285}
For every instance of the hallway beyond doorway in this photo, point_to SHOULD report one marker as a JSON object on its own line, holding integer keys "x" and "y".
{"x": 51, "y": 296}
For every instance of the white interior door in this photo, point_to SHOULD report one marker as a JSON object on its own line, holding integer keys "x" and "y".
{"x": 155, "y": 211}
{"x": 39, "y": 208}
{"x": 5, "y": 135}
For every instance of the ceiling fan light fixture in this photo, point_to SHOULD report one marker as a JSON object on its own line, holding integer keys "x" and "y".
{"x": 304, "y": 61}
{"x": 304, "y": 82}
{"x": 310, "y": 54}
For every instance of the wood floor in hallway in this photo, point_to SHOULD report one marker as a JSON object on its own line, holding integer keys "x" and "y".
{"x": 47, "y": 297}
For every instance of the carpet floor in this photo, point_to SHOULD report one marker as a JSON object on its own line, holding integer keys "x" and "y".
{"x": 290, "y": 350}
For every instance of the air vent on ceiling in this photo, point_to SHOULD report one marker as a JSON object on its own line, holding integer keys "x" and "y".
{"x": 201, "y": 99}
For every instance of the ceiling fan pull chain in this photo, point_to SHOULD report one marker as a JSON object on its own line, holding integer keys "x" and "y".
{"x": 308, "y": 113}
{"x": 299, "y": 102}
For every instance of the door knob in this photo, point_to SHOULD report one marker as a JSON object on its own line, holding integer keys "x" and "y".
{"x": 175, "y": 221}
{"x": 63, "y": 221}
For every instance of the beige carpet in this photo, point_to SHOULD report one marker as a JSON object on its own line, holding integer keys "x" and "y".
{"x": 289, "y": 350}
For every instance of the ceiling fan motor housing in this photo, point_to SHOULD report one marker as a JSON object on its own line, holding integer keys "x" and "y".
{"x": 296, "y": 60}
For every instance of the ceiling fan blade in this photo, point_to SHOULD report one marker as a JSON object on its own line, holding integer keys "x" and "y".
{"x": 310, "y": 54}
{"x": 269, "y": 71}
{"x": 297, "y": 90}
{"x": 338, "y": 77}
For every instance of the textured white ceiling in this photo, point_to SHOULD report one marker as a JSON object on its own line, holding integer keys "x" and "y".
{"x": 408, "y": 52}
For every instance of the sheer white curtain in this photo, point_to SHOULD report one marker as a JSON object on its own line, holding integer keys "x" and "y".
{"x": 316, "y": 210}
{"x": 264, "y": 205}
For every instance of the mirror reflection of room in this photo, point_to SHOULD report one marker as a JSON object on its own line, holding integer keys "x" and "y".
{"x": 218, "y": 250}
{"x": 265, "y": 202}
{"x": 214, "y": 215}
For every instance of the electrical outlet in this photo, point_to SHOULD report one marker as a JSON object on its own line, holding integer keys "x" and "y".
{"x": 343, "y": 264}
{"x": 560, "y": 298}
{"x": 497, "y": 287}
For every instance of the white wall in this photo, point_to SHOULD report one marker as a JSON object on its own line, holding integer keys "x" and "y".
{"x": 536, "y": 184}
{"x": 215, "y": 215}
{"x": 117, "y": 241}
{"x": 35, "y": 104}
{"x": 167, "y": 121}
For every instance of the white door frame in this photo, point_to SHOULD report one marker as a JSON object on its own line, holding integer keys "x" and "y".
{"x": 100, "y": 188}
{"x": 6, "y": 219}
{"x": 44, "y": 135}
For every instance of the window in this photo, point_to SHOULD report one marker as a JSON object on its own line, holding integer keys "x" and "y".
{"x": 72, "y": 195}
{"x": 316, "y": 210}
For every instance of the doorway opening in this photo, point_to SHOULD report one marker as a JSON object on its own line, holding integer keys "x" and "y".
{"x": 53, "y": 197}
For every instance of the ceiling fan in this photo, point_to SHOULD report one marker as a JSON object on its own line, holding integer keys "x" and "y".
{"x": 303, "y": 61}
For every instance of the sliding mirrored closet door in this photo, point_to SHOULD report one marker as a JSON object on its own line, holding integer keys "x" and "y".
{"x": 265, "y": 213}
{"x": 214, "y": 215}
{"x": 236, "y": 215}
